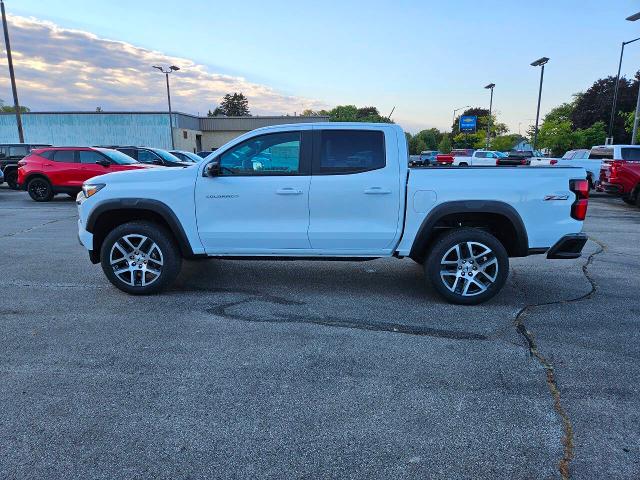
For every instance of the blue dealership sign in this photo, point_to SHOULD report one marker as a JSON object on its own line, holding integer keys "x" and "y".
{"x": 468, "y": 123}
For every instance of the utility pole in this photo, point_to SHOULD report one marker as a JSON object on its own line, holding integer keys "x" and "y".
{"x": 490, "y": 87}
{"x": 12, "y": 74}
{"x": 171, "y": 69}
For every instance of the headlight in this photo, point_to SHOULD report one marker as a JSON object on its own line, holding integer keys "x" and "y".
{"x": 90, "y": 189}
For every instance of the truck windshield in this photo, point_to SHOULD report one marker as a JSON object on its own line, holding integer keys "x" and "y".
{"x": 117, "y": 157}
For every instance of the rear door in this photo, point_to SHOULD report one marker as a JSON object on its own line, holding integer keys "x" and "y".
{"x": 64, "y": 170}
{"x": 354, "y": 198}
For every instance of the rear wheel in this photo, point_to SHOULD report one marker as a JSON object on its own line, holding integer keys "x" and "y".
{"x": 11, "y": 178}
{"x": 40, "y": 189}
{"x": 140, "y": 258}
{"x": 463, "y": 164}
{"x": 467, "y": 266}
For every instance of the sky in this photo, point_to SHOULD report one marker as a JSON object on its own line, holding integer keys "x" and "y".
{"x": 424, "y": 58}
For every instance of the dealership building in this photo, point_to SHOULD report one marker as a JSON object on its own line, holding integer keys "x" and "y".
{"x": 151, "y": 129}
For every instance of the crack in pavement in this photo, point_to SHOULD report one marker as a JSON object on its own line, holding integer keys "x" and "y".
{"x": 35, "y": 227}
{"x": 567, "y": 439}
{"x": 222, "y": 310}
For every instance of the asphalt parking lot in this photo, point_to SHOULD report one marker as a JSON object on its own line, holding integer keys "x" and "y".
{"x": 316, "y": 370}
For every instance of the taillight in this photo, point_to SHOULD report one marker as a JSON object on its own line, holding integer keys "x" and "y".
{"x": 553, "y": 161}
{"x": 581, "y": 190}
{"x": 22, "y": 163}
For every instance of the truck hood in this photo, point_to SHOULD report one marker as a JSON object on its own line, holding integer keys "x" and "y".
{"x": 146, "y": 174}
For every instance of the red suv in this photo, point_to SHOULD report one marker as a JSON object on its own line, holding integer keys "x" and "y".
{"x": 48, "y": 171}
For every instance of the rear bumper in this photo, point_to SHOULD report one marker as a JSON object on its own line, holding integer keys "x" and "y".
{"x": 568, "y": 247}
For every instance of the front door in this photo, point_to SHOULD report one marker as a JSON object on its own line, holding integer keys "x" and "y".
{"x": 355, "y": 193}
{"x": 259, "y": 203}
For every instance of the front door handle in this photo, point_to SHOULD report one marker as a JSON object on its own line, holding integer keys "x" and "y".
{"x": 288, "y": 191}
{"x": 377, "y": 191}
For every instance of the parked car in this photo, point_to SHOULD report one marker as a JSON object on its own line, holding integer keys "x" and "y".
{"x": 206, "y": 153}
{"x": 479, "y": 158}
{"x": 48, "y": 171}
{"x": 268, "y": 194}
{"x": 153, "y": 156}
{"x": 515, "y": 158}
{"x": 10, "y": 155}
{"x": 447, "y": 158}
{"x": 186, "y": 156}
{"x": 574, "y": 158}
{"x": 427, "y": 157}
{"x": 623, "y": 178}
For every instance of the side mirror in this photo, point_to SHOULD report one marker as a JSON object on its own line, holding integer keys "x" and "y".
{"x": 213, "y": 168}
{"x": 104, "y": 162}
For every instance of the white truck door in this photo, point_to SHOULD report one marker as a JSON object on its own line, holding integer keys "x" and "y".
{"x": 260, "y": 201}
{"x": 354, "y": 199}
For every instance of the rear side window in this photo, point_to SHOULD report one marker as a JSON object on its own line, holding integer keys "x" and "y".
{"x": 481, "y": 155}
{"x": 350, "y": 151}
{"x": 145, "y": 156}
{"x": 631, "y": 154}
{"x": 89, "y": 156}
{"x": 19, "y": 151}
{"x": 65, "y": 156}
{"x": 48, "y": 154}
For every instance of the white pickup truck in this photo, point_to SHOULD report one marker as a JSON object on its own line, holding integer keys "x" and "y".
{"x": 574, "y": 158}
{"x": 479, "y": 158}
{"x": 331, "y": 191}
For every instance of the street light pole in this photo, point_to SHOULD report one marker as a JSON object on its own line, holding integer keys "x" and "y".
{"x": 166, "y": 72}
{"x": 12, "y": 74}
{"x": 615, "y": 90}
{"x": 633, "y": 18}
{"x": 541, "y": 62}
{"x": 490, "y": 87}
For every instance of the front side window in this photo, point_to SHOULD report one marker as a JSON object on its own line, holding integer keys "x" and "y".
{"x": 89, "y": 156}
{"x": 569, "y": 155}
{"x": 65, "y": 156}
{"x": 481, "y": 155}
{"x": 271, "y": 154}
{"x": 350, "y": 151}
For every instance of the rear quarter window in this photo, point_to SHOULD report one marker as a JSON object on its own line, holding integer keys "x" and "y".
{"x": 601, "y": 153}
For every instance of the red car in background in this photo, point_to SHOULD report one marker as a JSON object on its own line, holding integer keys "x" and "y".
{"x": 447, "y": 158}
{"x": 47, "y": 171}
{"x": 622, "y": 178}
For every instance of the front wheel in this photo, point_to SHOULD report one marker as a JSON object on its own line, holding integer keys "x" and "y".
{"x": 467, "y": 266}
{"x": 140, "y": 258}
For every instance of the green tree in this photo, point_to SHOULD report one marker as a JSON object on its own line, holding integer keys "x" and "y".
{"x": 234, "y": 105}
{"x": 445, "y": 144}
{"x": 596, "y": 134}
{"x": 351, "y": 113}
{"x": 216, "y": 111}
{"x": 505, "y": 143}
{"x": 10, "y": 108}
{"x": 558, "y": 136}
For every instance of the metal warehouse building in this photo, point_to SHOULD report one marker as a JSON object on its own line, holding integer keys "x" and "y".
{"x": 150, "y": 129}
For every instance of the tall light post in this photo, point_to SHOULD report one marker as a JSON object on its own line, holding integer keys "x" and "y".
{"x": 541, "y": 62}
{"x": 12, "y": 74}
{"x": 490, "y": 87}
{"x": 633, "y": 18}
{"x": 166, "y": 72}
{"x": 615, "y": 90}
{"x": 453, "y": 120}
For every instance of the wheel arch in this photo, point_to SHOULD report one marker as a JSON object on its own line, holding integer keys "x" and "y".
{"x": 111, "y": 213}
{"x": 499, "y": 218}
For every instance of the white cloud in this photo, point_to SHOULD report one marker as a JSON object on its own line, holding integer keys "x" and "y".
{"x": 63, "y": 69}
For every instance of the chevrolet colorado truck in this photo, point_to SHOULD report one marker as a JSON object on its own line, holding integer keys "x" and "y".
{"x": 331, "y": 191}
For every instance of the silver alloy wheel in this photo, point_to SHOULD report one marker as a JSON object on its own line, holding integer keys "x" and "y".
{"x": 469, "y": 268}
{"x": 136, "y": 260}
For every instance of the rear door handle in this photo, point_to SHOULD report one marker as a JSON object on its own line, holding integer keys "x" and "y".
{"x": 288, "y": 191}
{"x": 377, "y": 191}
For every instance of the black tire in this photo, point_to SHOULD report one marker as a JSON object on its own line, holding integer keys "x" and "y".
{"x": 628, "y": 200}
{"x": 476, "y": 264}
{"x": 132, "y": 282}
{"x": 463, "y": 164}
{"x": 11, "y": 178}
{"x": 40, "y": 189}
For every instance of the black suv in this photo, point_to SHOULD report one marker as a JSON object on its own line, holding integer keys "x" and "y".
{"x": 154, "y": 156}
{"x": 10, "y": 155}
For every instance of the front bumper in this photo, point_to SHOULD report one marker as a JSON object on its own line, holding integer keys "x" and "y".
{"x": 568, "y": 247}
{"x": 85, "y": 238}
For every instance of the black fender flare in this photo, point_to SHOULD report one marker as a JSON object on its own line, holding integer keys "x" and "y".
{"x": 423, "y": 235}
{"x": 155, "y": 206}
